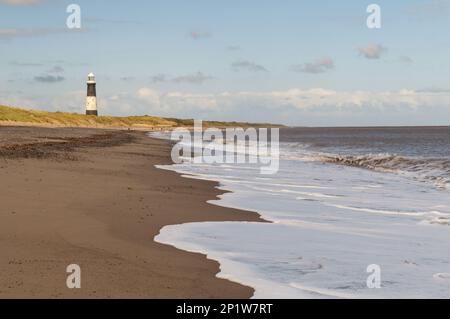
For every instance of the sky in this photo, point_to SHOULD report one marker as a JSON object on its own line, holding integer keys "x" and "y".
{"x": 305, "y": 63}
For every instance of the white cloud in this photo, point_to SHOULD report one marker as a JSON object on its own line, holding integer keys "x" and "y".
{"x": 315, "y": 106}
{"x": 150, "y": 96}
{"x": 310, "y": 107}
{"x": 320, "y": 66}
{"x": 372, "y": 51}
{"x": 72, "y": 101}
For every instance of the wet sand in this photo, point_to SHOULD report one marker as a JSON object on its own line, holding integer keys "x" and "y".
{"x": 94, "y": 198}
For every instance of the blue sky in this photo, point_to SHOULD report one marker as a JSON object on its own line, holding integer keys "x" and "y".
{"x": 312, "y": 63}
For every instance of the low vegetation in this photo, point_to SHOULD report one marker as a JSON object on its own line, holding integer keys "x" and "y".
{"x": 16, "y": 115}
{"x": 13, "y": 115}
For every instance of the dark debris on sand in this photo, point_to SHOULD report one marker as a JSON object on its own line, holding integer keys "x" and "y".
{"x": 56, "y": 143}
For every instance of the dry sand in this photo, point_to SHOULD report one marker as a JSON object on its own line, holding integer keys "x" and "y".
{"x": 94, "y": 198}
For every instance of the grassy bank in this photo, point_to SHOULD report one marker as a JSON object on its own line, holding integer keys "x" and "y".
{"x": 12, "y": 115}
{"x": 16, "y": 115}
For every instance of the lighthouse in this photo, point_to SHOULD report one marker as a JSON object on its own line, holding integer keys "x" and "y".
{"x": 91, "y": 100}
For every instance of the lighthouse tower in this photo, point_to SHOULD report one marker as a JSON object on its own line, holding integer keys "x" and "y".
{"x": 91, "y": 100}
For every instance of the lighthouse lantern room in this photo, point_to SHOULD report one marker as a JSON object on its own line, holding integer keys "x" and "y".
{"x": 91, "y": 100}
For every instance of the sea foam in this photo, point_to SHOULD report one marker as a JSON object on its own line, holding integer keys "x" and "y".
{"x": 329, "y": 223}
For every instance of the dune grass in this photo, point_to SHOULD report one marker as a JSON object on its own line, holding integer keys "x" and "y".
{"x": 23, "y": 116}
{"x": 12, "y": 114}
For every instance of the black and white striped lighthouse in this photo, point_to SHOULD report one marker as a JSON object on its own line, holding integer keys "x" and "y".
{"x": 91, "y": 100}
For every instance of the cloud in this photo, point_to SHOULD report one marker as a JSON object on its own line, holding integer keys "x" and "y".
{"x": 296, "y": 106}
{"x": 247, "y": 66}
{"x": 149, "y": 95}
{"x": 20, "y": 2}
{"x": 432, "y": 90}
{"x": 319, "y": 66}
{"x": 72, "y": 101}
{"x": 316, "y": 106}
{"x": 196, "y": 78}
{"x": 49, "y": 78}
{"x": 199, "y": 35}
{"x": 372, "y": 51}
{"x": 158, "y": 78}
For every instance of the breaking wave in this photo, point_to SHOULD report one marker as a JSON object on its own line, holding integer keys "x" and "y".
{"x": 433, "y": 170}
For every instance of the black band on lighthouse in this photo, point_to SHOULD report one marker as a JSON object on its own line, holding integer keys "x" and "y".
{"x": 92, "y": 113}
{"x": 91, "y": 90}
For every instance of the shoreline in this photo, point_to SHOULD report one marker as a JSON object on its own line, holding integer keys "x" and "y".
{"x": 71, "y": 196}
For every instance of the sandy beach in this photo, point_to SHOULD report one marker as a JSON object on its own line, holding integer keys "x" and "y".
{"x": 94, "y": 198}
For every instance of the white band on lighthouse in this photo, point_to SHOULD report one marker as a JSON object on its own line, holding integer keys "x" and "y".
{"x": 91, "y": 103}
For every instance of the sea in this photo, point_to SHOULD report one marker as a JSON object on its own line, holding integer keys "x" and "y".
{"x": 353, "y": 212}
